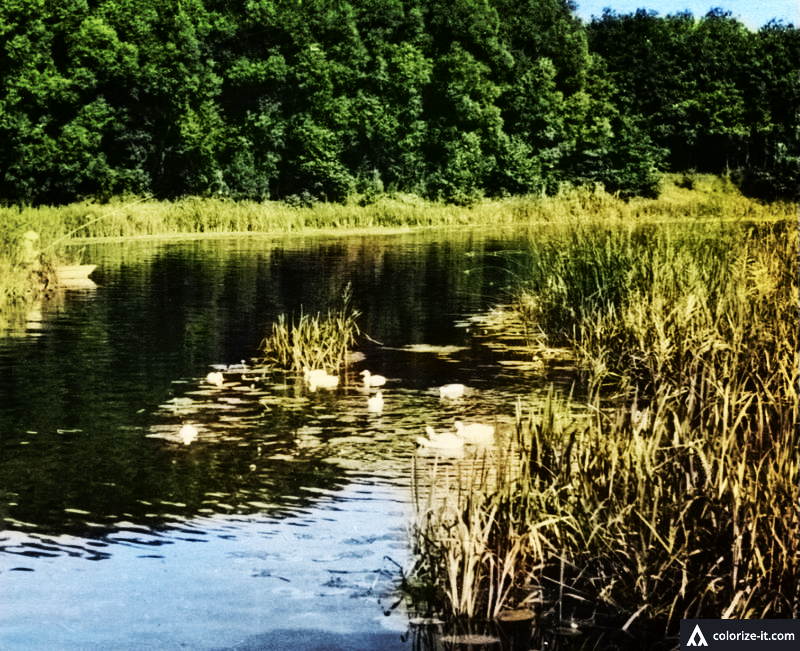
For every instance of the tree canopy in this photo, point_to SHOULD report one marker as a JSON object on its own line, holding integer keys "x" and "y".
{"x": 451, "y": 99}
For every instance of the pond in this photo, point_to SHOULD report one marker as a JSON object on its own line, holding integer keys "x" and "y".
{"x": 284, "y": 525}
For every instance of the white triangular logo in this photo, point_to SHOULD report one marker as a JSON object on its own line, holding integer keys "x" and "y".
{"x": 697, "y": 633}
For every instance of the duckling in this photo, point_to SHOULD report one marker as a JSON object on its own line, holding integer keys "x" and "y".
{"x": 215, "y": 378}
{"x": 308, "y": 374}
{"x": 319, "y": 378}
{"x": 440, "y": 442}
{"x": 188, "y": 434}
{"x": 375, "y": 403}
{"x": 323, "y": 382}
{"x": 475, "y": 432}
{"x": 371, "y": 380}
{"x": 451, "y": 391}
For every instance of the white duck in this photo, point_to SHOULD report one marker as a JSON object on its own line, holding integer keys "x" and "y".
{"x": 188, "y": 434}
{"x": 320, "y": 381}
{"x": 317, "y": 373}
{"x": 441, "y": 442}
{"x": 375, "y": 403}
{"x": 451, "y": 391}
{"x": 475, "y": 432}
{"x": 371, "y": 380}
{"x": 215, "y": 378}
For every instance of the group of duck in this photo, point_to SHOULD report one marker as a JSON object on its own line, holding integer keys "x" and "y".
{"x": 319, "y": 378}
{"x": 471, "y": 434}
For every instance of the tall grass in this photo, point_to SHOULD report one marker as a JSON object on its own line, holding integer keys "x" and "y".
{"x": 61, "y": 227}
{"x": 678, "y": 496}
{"x": 711, "y": 198}
{"x": 313, "y": 342}
{"x": 480, "y": 534}
{"x": 26, "y": 264}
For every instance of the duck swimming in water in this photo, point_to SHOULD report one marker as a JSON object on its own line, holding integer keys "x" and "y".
{"x": 320, "y": 379}
{"x": 317, "y": 373}
{"x": 188, "y": 434}
{"x": 375, "y": 403}
{"x": 440, "y": 442}
{"x": 451, "y": 391}
{"x": 371, "y": 380}
{"x": 215, "y": 378}
{"x": 475, "y": 432}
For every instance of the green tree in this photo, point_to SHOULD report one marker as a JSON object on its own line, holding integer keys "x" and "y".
{"x": 712, "y": 93}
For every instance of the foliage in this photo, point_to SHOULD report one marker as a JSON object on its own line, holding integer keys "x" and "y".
{"x": 713, "y": 94}
{"x": 320, "y": 99}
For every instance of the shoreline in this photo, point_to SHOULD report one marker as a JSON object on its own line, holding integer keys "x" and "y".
{"x": 60, "y": 229}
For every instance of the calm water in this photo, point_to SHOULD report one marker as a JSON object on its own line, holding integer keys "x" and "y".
{"x": 283, "y": 526}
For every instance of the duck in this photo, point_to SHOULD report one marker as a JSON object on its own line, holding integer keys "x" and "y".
{"x": 375, "y": 403}
{"x": 317, "y": 373}
{"x": 323, "y": 382}
{"x": 371, "y": 380}
{"x": 188, "y": 433}
{"x": 475, "y": 432}
{"x": 215, "y": 378}
{"x": 441, "y": 441}
{"x": 451, "y": 391}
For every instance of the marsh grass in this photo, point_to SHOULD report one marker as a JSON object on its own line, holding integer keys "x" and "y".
{"x": 25, "y": 264}
{"x": 677, "y": 497}
{"x": 711, "y": 198}
{"x": 63, "y": 228}
{"x": 314, "y": 342}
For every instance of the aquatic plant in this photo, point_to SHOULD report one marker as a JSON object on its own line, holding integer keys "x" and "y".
{"x": 313, "y": 342}
{"x": 675, "y": 496}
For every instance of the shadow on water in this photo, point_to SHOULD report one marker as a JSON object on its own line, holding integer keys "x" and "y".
{"x": 313, "y": 640}
{"x": 93, "y": 398}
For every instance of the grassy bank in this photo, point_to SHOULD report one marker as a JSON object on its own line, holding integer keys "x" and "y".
{"x": 677, "y": 497}
{"x": 60, "y": 228}
{"x": 701, "y": 197}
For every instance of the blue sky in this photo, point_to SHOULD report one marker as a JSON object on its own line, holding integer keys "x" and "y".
{"x": 753, "y": 13}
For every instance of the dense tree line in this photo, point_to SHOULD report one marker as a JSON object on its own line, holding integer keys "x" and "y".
{"x": 713, "y": 94}
{"x": 323, "y": 98}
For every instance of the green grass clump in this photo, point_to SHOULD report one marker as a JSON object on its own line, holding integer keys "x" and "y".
{"x": 313, "y": 342}
{"x": 677, "y": 497}
{"x": 27, "y": 260}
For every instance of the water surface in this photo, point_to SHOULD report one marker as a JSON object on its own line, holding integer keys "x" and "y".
{"x": 287, "y": 519}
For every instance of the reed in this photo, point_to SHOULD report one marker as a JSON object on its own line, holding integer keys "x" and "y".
{"x": 62, "y": 227}
{"x": 313, "y": 342}
{"x": 478, "y": 533}
{"x": 711, "y": 198}
{"x": 676, "y": 495}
